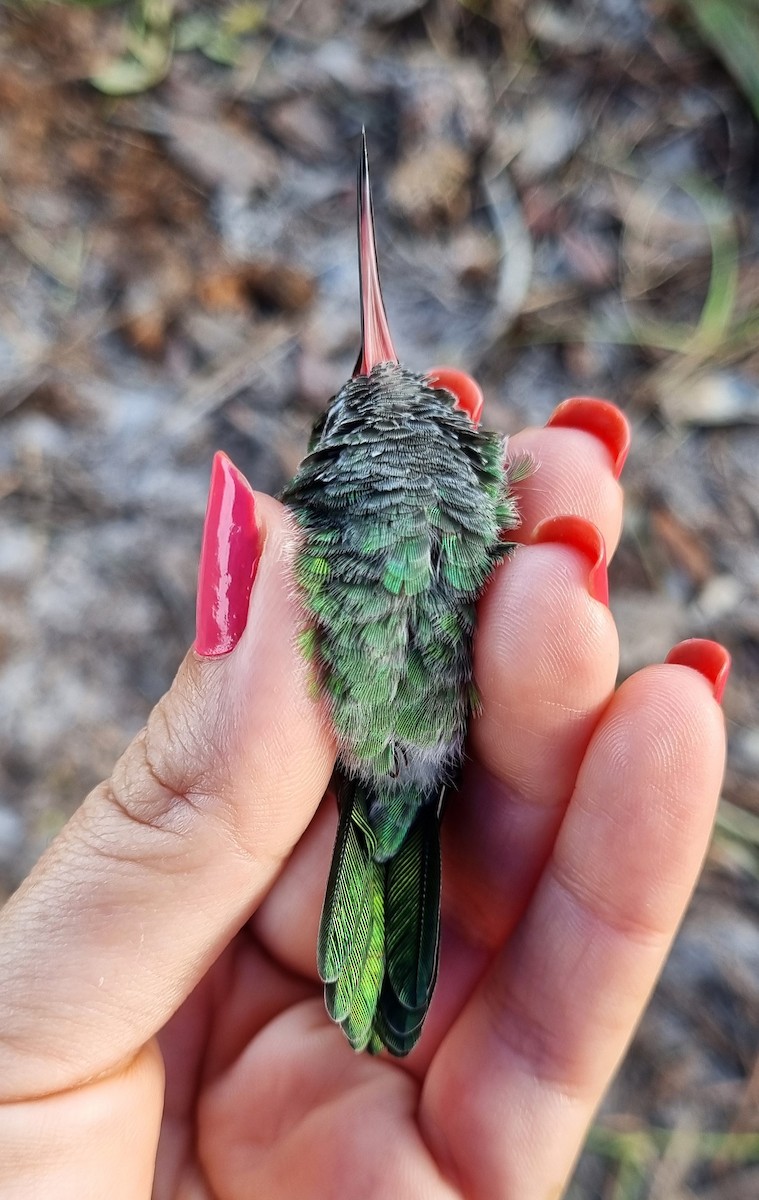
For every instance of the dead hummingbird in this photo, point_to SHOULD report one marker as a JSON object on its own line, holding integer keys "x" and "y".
{"x": 401, "y": 503}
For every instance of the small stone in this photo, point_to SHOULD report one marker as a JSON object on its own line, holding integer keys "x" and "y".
{"x": 714, "y": 398}
{"x": 720, "y": 595}
{"x": 549, "y": 135}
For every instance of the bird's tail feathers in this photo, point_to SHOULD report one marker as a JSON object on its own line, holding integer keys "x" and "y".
{"x": 380, "y": 927}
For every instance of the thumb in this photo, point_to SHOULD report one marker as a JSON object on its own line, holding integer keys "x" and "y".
{"x": 164, "y": 862}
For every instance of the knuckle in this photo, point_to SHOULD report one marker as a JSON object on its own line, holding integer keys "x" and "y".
{"x": 164, "y": 779}
{"x": 537, "y": 1046}
{"x": 614, "y": 911}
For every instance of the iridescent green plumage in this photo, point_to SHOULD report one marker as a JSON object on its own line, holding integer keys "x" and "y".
{"x": 401, "y": 504}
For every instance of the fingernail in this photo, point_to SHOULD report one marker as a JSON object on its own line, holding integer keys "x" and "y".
{"x": 467, "y": 391}
{"x": 229, "y": 557}
{"x": 580, "y": 535}
{"x": 708, "y": 658}
{"x": 602, "y": 419}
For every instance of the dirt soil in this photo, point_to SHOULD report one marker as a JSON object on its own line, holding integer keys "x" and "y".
{"x": 566, "y": 199}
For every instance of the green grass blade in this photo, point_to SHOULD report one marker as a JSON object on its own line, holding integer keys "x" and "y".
{"x": 731, "y": 29}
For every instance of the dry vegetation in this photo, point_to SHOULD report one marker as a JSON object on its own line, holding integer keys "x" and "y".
{"x": 567, "y": 200}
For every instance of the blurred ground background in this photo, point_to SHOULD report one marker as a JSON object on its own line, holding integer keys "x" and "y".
{"x": 567, "y": 204}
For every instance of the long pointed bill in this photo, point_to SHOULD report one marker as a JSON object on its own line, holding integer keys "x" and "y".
{"x": 376, "y": 343}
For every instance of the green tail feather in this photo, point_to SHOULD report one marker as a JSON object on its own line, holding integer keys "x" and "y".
{"x": 340, "y": 993}
{"x": 359, "y": 1022}
{"x": 412, "y": 904}
{"x": 350, "y": 879}
{"x": 397, "y": 1028}
{"x": 379, "y": 931}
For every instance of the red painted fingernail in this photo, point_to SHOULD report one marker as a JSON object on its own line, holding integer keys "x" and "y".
{"x": 602, "y": 419}
{"x": 467, "y": 391}
{"x": 580, "y": 535}
{"x": 229, "y": 557}
{"x": 708, "y": 658}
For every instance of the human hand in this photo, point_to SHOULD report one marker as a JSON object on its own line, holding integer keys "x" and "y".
{"x": 173, "y": 922}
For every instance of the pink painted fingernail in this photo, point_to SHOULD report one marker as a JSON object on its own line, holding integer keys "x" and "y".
{"x": 467, "y": 391}
{"x": 710, "y": 659}
{"x": 229, "y": 555}
{"x": 601, "y": 418}
{"x": 581, "y": 535}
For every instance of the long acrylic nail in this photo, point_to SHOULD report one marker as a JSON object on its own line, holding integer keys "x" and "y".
{"x": 709, "y": 658}
{"x": 584, "y": 536}
{"x": 602, "y": 419}
{"x": 229, "y": 557}
{"x": 467, "y": 391}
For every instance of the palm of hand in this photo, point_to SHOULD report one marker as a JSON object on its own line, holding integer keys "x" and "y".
{"x": 274, "y": 1103}
{"x": 264, "y": 1095}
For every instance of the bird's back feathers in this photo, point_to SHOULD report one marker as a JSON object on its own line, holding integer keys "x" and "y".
{"x": 401, "y": 503}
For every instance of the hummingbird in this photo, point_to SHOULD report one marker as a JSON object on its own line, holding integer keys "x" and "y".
{"x": 401, "y": 506}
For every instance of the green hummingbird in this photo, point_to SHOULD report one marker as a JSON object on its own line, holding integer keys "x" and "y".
{"x": 401, "y": 503}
